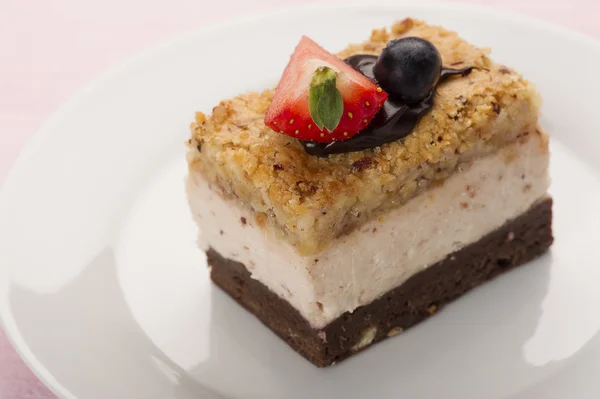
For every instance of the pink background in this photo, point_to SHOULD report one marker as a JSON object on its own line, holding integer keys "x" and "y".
{"x": 50, "y": 48}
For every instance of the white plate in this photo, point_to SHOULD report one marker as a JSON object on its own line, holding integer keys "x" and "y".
{"x": 103, "y": 291}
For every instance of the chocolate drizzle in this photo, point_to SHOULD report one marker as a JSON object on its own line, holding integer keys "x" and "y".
{"x": 394, "y": 121}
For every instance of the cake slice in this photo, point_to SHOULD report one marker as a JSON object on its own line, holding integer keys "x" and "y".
{"x": 336, "y": 246}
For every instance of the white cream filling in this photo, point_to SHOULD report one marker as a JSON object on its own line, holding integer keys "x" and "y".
{"x": 381, "y": 255}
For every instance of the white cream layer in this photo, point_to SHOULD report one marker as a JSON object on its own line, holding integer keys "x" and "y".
{"x": 384, "y": 253}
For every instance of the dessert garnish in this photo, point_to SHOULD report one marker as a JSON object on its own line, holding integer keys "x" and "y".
{"x": 320, "y": 98}
{"x": 408, "y": 70}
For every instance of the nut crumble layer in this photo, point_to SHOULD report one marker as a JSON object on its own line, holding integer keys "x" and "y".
{"x": 311, "y": 200}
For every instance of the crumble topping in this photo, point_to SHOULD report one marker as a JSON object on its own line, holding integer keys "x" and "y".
{"x": 309, "y": 200}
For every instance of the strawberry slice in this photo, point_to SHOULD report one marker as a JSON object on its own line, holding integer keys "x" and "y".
{"x": 321, "y": 98}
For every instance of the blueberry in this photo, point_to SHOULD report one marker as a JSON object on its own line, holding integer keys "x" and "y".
{"x": 408, "y": 69}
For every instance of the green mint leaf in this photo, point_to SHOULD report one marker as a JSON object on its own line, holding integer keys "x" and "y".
{"x": 325, "y": 102}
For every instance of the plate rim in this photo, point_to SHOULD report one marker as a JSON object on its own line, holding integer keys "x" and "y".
{"x": 7, "y": 322}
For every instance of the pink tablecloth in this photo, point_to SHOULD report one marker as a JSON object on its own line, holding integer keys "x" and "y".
{"x": 50, "y": 48}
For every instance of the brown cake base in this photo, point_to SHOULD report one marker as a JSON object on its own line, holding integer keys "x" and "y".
{"x": 515, "y": 243}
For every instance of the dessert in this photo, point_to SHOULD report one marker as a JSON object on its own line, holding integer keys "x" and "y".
{"x": 359, "y": 197}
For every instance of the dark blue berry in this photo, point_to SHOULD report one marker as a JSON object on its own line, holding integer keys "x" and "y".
{"x": 408, "y": 69}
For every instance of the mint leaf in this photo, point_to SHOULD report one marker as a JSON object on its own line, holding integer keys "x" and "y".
{"x": 325, "y": 102}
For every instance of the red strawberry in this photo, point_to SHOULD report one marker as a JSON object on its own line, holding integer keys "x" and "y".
{"x": 321, "y": 98}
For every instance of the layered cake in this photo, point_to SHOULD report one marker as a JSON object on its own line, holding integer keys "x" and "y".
{"x": 370, "y": 188}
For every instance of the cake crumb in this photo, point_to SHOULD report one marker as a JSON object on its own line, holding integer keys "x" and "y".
{"x": 323, "y": 336}
{"x": 401, "y": 27}
{"x": 200, "y": 118}
{"x": 221, "y": 232}
{"x": 362, "y": 164}
{"x": 496, "y": 107}
{"x": 261, "y": 219}
{"x": 509, "y": 237}
{"x": 470, "y": 191}
{"x": 395, "y": 331}
{"x": 243, "y": 220}
{"x": 366, "y": 338}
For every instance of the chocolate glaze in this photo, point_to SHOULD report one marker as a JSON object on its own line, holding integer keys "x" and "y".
{"x": 394, "y": 121}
